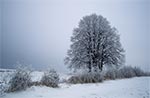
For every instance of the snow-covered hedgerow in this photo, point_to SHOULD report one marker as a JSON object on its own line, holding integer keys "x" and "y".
{"x": 86, "y": 77}
{"x": 50, "y": 78}
{"x": 138, "y": 72}
{"x": 112, "y": 74}
{"x": 117, "y": 73}
{"x": 109, "y": 74}
{"x": 127, "y": 72}
{"x": 124, "y": 72}
{"x": 20, "y": 80}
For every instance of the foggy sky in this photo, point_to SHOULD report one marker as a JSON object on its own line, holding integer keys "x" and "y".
{"x": 38, "y": 32}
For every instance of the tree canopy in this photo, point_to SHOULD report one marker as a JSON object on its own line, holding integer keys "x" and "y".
{"x": 94, "y": 44}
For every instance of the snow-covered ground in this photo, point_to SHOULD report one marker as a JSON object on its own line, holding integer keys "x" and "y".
{"x": 36, "y": 75}
{"x": 138, "y": 87}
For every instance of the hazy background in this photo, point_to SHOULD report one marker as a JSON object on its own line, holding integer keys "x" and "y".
{"x": 38, "y": 32}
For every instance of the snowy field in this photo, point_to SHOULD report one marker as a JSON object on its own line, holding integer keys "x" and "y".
{"x": 138, "y": 87}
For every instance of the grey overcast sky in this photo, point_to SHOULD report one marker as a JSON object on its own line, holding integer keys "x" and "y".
{"x": 38, "y": 32}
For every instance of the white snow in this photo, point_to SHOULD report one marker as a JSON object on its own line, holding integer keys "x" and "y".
{"x": 36, "y": 75}
{"x": 138, "y": 87}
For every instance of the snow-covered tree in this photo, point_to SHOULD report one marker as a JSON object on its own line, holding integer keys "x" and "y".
{"x": 94, "y": 44}
{"x": 50, "y": 78}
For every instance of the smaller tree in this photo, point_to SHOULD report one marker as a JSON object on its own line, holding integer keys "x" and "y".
{"x": 50, "y": 78}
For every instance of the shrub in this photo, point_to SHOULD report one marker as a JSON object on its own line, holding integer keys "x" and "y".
{"x": 138, "y": 71}
{"x": 3, "y": 88}
{"x": 20, "y": 80}
{"x": 87, "y": 77}
{"x": 124, "y": 72}
{"x": 4, "y": 79}
{"x": 127, "y": 72}
{"x": 112, "y": 74}
{"x": 147, "y": 74}
{"x": 50, "y": 78}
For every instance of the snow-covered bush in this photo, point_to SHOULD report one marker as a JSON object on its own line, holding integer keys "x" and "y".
{"x": 124, "y": 72}
{"x": 5, "y": 76}
{"x": 112, "y": 74}
{"x": 138, "y": 71}
{"x": 3, "y": 88}
{"x": 20, "y": 80}
{"x": 50, "y": 78}
{"x": 127, "y": 72}
{"x": 108, "y": 74}
{"x": 87, "y": 77}
{"x": 147, "y": 74}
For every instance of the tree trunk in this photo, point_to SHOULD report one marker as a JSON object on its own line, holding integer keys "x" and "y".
{"x": 102, "y": 59}
{"x": 89, "y": 67}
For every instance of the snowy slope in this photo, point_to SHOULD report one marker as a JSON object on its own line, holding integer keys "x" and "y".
{"x": 138, "y": 87}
